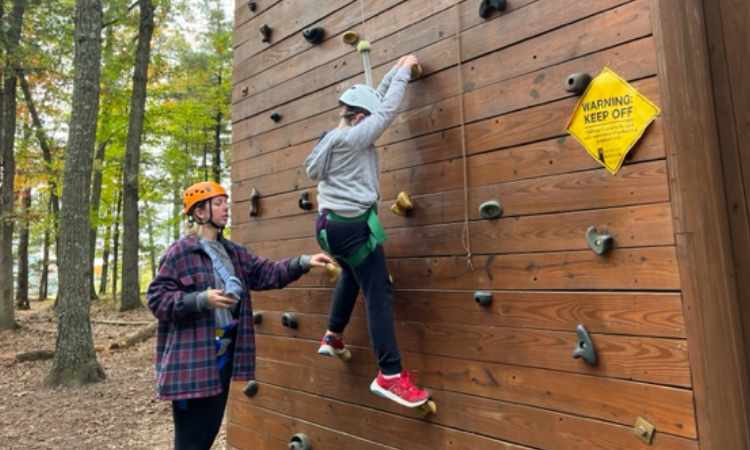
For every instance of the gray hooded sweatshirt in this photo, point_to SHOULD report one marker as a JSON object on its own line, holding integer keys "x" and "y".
{"x": 345, "y": 162}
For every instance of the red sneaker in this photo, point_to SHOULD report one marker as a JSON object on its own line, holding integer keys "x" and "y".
{"x": 400, "y": 389}
{"x": 331, "y": 345}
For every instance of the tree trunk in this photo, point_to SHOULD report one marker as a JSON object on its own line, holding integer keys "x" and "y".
{"x": 116, "y": 245}
{"x": 44, "y": 277}
{"x": 151, "y": 247}
{"x": 217, "y": 148}
{"x": 75, "y": 358}
{"x": 22, "y": 293}
{"x": 176, "y": 211}
{"x": 131, "y": 293}
{"x": 105, "y": 260}
{"x": 46, "y": 150}
{"x": 96, "y": 195}
{"x": 7, "y": 143}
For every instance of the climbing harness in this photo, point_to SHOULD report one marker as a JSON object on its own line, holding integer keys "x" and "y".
{"x": 377, "y": 236}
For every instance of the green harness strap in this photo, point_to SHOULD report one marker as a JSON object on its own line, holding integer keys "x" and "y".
{"x": 377, "y": 236}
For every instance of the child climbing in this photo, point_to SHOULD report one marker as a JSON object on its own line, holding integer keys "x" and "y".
{"x": 345, "y": 165}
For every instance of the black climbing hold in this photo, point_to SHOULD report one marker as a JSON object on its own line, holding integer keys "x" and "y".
{"x": 257, "y": 318}
{"x": 304, "y": 201}
{"x": 289, "y": 320}
{"x": 314, "y": 35}
{"x": 585, "y": 347}
{"x": 266, "y": 32}
{"x": 600, "y": 243}
{"x": 491, "y": 209}
{"x": 487, "y": 6}
{"x": 577, "y": 83}
{"x": 252, "y": 6}
{"x": 300, "y": 441}
{"x": 254, "y": 206}
{"x": 245, "y": 91}
{"x": 276, "y": 117}
{"x": 483, "y": 298}
{"x": 251, "y": 388}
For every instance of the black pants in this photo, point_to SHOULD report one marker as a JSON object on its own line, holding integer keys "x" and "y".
{"x": 372, "y": 277}
{"x": 197, "y": 421}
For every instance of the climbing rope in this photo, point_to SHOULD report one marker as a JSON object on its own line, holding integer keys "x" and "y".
{"x": 466, "y": 234}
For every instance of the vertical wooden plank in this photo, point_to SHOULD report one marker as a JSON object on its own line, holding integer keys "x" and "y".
{"x": 718, "y": 363}
{"x": 727, "y": 23}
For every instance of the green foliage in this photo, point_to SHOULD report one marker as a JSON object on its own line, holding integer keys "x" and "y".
{"x": 189, "y": 87}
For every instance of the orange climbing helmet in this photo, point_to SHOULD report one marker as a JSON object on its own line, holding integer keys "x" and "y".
{"x": 199, "y": 192}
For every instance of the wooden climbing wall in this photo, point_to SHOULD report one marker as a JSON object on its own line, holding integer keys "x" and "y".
{"x": 502, "y": 376}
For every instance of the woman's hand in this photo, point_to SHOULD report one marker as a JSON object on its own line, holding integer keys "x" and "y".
{"x": 320, "y": 260}
{"x": 217, "y": 299}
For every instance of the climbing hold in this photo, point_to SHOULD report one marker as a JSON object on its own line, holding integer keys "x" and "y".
{"x": 416, "y": 71}
{"x": 351, "y": 38}
{"x": 577, "y": 83}
{"x": 289, "y": 320}
{"x": 245, "y": 91}
{"x": 251, "y": 388}
{"x": 266, "y": 32}
{"x": 333, "y": 271}
{"x": 300, "y": 441}
{"x": 257, "y": 318}
{"x": 252, "y": 6}
{"x": 314, "y": 35}
{"x": 403, "y": 204}
{"x": 585, "y": 348}
{"x": 491, "y": 209}
{"x": 427, "y": 408}
{"x": 487, "y": 6}
{"x": 254, "y": 207}
{"x": 483, "y": 298}
{"x": 645, "y": 430}
{"x": 600, "y": 243}
{"x": 276, "y": 117}
{"x": 304, "y": 201}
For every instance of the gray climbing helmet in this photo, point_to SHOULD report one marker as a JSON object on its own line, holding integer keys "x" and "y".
{"x": 361, "y": 96}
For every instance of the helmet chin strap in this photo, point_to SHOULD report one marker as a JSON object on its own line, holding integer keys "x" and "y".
{"x": 210, "y": 220}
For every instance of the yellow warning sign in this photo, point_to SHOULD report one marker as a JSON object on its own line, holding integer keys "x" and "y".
{"x": 610, "y": 118}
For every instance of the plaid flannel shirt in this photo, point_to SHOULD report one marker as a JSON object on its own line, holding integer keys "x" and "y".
{"x": 185, "y": 350}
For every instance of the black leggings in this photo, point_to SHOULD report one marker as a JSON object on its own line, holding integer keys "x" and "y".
{"x": 197, "y": 421}
{"x": 372, "y": 277}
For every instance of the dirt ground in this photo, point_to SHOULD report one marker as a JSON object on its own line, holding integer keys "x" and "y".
{"x": 119, "y": 413}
